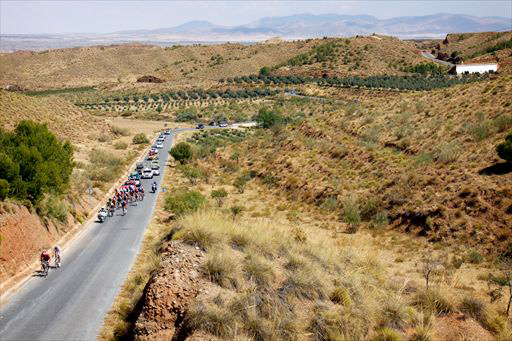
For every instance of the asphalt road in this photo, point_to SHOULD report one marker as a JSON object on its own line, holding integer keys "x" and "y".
{"x": 431, "y": 57}
{"x": 71, "y": 302}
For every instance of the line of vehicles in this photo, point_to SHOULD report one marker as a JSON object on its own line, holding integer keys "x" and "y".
{"x": 131, "y": 190}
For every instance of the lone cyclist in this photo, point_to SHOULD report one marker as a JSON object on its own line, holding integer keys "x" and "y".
{"x": 56, "y": 254}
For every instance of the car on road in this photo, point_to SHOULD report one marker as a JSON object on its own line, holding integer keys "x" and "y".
{"x": 155, "y": 169}
{"x": 139, "y": 167}
{"x": 147, "y": 173}
{"x": 155, "y": 163}
{"x": 200, "y": 126}
{"x": 223, "y": 124}
{"x": 159, "y": 145}
{"x": 167, "y": 132}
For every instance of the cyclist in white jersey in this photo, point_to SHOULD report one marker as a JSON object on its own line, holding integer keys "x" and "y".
{"x": 56, "y": 252}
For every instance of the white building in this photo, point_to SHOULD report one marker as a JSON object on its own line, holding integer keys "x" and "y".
{"x": 475, "y": 68}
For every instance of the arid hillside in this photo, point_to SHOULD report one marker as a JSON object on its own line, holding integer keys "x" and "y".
{"x": 120, "y": 66}
{"x": 62, "y": 117}
{"x": 125, "y": 63}
{"x": 361, "y": 56}
{"x": 479, "y": 48}
{"x": 427, "y": 160}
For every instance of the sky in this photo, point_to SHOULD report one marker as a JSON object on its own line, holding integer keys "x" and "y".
{"x": 78, "y": 16}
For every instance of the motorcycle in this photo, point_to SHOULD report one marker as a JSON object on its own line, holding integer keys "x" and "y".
{"x": 102, "y": 215}
{"x": 153, "y": 187}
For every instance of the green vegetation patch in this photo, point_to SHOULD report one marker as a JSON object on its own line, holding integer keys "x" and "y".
{"x": 33, "y": 161}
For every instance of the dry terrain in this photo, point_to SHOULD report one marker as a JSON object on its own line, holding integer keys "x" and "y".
{"x": 97, "y": 141}
{"x": 119, "y": 66}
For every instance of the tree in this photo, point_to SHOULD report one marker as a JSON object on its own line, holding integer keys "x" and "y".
{"x": 182, "y": 152}
{"x": 33, "y": 162}
{"x": 504, "y": 149}
{"x": 429, "y": 269}
{"x": 268, "y": 118}
{"x": 159, "y": 109}
{"x": 219, "y": 195}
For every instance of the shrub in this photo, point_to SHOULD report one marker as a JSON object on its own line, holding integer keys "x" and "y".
{"x": 182, "y": 152}
{"x": 184, "y": 202}
{"x": 192, "y": 173}
{"x": 120, "y": 145}
{"x": 140, "y": 138}
{"x": 447, "y": 153}
{"x": 220, "y": 267}
{"x": 433, "y": 302}
{"x": 236, "y": 210}
{"x": 387, "y": 334}
{"x": 475, "y": 257}
{"x": 504, "y": 149}
{"x": 351, "y": 214}
{"x": 475, "y": 308}
{"x": 53, "y": 207}
{"x": 33, "y": 161}
{"x": 341, "y": 296}
{"x": 240, "y": 183}
{"x": 119, "y": 131}
{"x": 219, "y": 195}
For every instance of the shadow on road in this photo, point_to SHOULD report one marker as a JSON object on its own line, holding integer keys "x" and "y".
{"x": 38, "y": 273}
{"x": 497, "y": 169}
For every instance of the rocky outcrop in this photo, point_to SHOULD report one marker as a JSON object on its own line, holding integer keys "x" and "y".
{"x": 169, "y": 292}
{"x": 149, "y": 79}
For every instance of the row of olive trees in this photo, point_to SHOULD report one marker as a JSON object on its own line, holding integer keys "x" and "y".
{"x": 194, "y": 95}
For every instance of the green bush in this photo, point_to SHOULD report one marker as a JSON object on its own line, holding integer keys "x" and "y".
{"x": 182, "y": 152}
{"x": 504, "y": 149}
{"x": 184, "y": 202}
{"x": 140, "y": 138}
{"x": 219, "y": 195}
{"x": 267, "y": 118}
{"x": 33, "y": 161}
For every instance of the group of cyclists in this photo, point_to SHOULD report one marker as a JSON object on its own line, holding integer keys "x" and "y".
{"x": 123, "y": 196}
{"x": 46, "y": 259}
{"x": 130, "y": 192}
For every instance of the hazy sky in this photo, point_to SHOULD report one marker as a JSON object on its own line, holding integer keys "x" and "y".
{"x": 72, "y": 16}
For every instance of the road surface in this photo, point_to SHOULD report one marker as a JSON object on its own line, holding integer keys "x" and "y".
{"x": 431, "y": 57}
{"x": 71, "y": 302}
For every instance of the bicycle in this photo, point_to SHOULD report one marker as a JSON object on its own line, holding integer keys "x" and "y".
{"x": 57, "y": 260}
{"x": 46, "y": 266}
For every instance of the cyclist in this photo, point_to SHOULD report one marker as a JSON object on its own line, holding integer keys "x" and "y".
{"x": 153, "y": 187}
{"x": 45, "y": 260}
{"x": 123, "y": 204}
{"x": 56, "y": 254}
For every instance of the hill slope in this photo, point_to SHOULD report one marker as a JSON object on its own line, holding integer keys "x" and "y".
{"x": 125, "y": 63}
{"x": 63, "y": 118}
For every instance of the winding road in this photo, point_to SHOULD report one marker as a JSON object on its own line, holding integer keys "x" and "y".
{"x": 72, "y": 301}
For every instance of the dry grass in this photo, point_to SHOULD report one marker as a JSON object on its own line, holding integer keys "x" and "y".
{"x": 268, "y": 273}
{"x": 119, "y": 319}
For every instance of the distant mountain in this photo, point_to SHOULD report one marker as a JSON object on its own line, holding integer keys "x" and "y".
{"x": 307, "y": 25}
{"x": 298, "y": 26}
